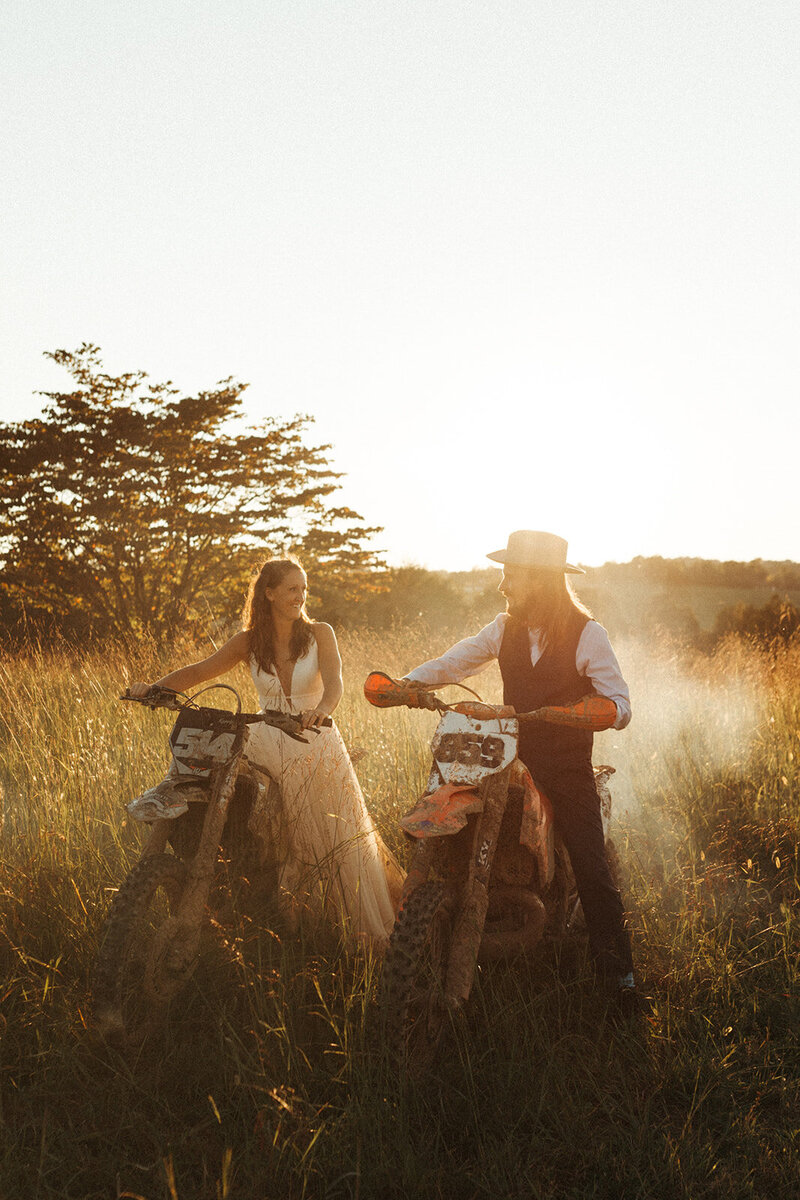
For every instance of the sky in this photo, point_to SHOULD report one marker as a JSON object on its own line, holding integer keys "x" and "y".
{"x": 527, "y": 263}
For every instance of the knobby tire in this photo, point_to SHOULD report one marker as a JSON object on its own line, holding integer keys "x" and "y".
{"x": 414, "y": 972}
{"x": 124, "y": 1011}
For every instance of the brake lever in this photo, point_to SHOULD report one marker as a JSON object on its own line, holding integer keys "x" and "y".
{"x": 162, "y": 698}
{"x": 434, "y": 704}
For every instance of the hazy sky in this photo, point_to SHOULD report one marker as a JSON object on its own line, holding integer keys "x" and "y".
{"x": 528, "y": 264}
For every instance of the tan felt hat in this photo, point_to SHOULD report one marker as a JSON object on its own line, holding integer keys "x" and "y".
{"x": 532, "y": 548}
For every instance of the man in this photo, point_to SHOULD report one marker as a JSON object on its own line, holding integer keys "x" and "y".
{"x": 551, "y": 653}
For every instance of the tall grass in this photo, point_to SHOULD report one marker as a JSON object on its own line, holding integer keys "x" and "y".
{"x": 271, "y": 1078}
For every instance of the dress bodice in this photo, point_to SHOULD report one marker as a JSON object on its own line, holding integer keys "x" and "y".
{"x": 305, "y": 690}
{"x": 333, "y": 859}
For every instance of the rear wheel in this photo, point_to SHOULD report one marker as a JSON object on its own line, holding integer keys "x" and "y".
{"x": 129, "y": 993}
{"x": 414, "y": 974}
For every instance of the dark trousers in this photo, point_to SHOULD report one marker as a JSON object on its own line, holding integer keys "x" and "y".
{"x": 576, "y": 810}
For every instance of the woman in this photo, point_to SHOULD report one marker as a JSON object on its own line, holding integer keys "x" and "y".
{"x": 337, "y": 861}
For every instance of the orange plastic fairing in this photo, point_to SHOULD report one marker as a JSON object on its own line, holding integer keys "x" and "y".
{"x": 536, "y": 828}
{"x": 590, "y": 712}
{"x": 384, "y": 692}
{"x": 442, "y": 812}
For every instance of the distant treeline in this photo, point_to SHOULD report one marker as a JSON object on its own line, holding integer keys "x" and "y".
{"x": 691, "y": 600}
{"x": 694, "y": 601}
{"x": 699, "y": 572}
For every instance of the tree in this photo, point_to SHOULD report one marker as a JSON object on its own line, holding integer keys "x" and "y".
{"x": 409, "y": 594}
{"x": 128, "y": 507}
{"x": 776, "y": 621}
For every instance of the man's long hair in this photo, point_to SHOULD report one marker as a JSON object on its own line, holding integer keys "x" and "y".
{"x": 558, "y": 608}
{"x": 257, "y": 616}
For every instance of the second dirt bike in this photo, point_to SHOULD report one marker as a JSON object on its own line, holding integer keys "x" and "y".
{"x": 488, "y": 877}
{"x": 214, "y": 807}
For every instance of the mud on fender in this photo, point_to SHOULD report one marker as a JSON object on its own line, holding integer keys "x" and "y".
{"x": 443, "y": 812}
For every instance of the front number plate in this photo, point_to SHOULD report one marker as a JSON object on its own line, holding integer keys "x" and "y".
{"x": 467, "y": 750}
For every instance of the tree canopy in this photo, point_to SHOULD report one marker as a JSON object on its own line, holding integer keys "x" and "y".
{"x": 128, "y": 507}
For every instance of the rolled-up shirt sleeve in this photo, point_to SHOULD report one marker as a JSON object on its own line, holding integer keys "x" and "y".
{"x": 596, "y": 660}
{"x": 467, "y": 657}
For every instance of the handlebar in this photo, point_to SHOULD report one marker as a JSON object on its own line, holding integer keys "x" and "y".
{"x": 589, "y": 712}
{"x": 156, "y": 697}
{"x": 384, "y": 692}
{"x": 161, "y": 697}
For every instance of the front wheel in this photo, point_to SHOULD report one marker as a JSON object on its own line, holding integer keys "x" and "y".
{"x": 127, "y": 999}
{"x": 414, "y": 974}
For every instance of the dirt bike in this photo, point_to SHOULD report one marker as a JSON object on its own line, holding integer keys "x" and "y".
{"x": 222, "y": 817}
{"x": 488, "y": 877}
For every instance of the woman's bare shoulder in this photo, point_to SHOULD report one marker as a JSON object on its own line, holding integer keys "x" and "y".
{"x": 324, "y": 633}
{"x": 239, "y": 644}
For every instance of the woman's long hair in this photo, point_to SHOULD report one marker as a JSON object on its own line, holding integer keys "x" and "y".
{"x": 556, "y": 607}
{"x": 257, "y": 615}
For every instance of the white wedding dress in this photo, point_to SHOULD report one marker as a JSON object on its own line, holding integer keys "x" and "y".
{"x": 337, "y": 862}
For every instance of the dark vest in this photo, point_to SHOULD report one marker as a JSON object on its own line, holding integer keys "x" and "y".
{"x": 546, "y": 749}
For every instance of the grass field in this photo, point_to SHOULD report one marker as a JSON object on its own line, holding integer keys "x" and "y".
{"x": 271, "y": 1080}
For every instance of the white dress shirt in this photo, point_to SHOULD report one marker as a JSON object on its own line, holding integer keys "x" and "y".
{"x": 593, "y": 658}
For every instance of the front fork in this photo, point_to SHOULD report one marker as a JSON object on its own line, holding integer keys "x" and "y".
{"x": 157, "y": 841}
{"x": 471, "y": 911}
{"x": 176, "y": 943}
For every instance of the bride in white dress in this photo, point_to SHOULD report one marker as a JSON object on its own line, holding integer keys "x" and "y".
{"x": 337, "y": 862}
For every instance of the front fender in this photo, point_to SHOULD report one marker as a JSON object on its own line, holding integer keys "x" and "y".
{"x": 443, "y": 812}
{"x": 170, "y": 799}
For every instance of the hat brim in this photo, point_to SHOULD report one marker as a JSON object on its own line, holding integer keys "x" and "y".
{"x": 501, "y": 556}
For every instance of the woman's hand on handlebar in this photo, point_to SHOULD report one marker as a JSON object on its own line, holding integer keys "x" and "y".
{"x": 153, "y": 695}
{"x": 312, "y": 718}
{"x": 138, "y": 690}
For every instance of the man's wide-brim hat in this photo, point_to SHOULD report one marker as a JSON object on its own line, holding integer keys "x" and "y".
{"x": 536, "y": 550}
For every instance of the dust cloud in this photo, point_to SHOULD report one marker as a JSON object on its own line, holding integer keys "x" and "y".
{"x": 704, "y": 710}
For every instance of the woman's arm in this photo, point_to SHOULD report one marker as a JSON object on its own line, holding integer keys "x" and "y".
{"x": 234, "y": 651}
{"x": 330, "y": 668}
